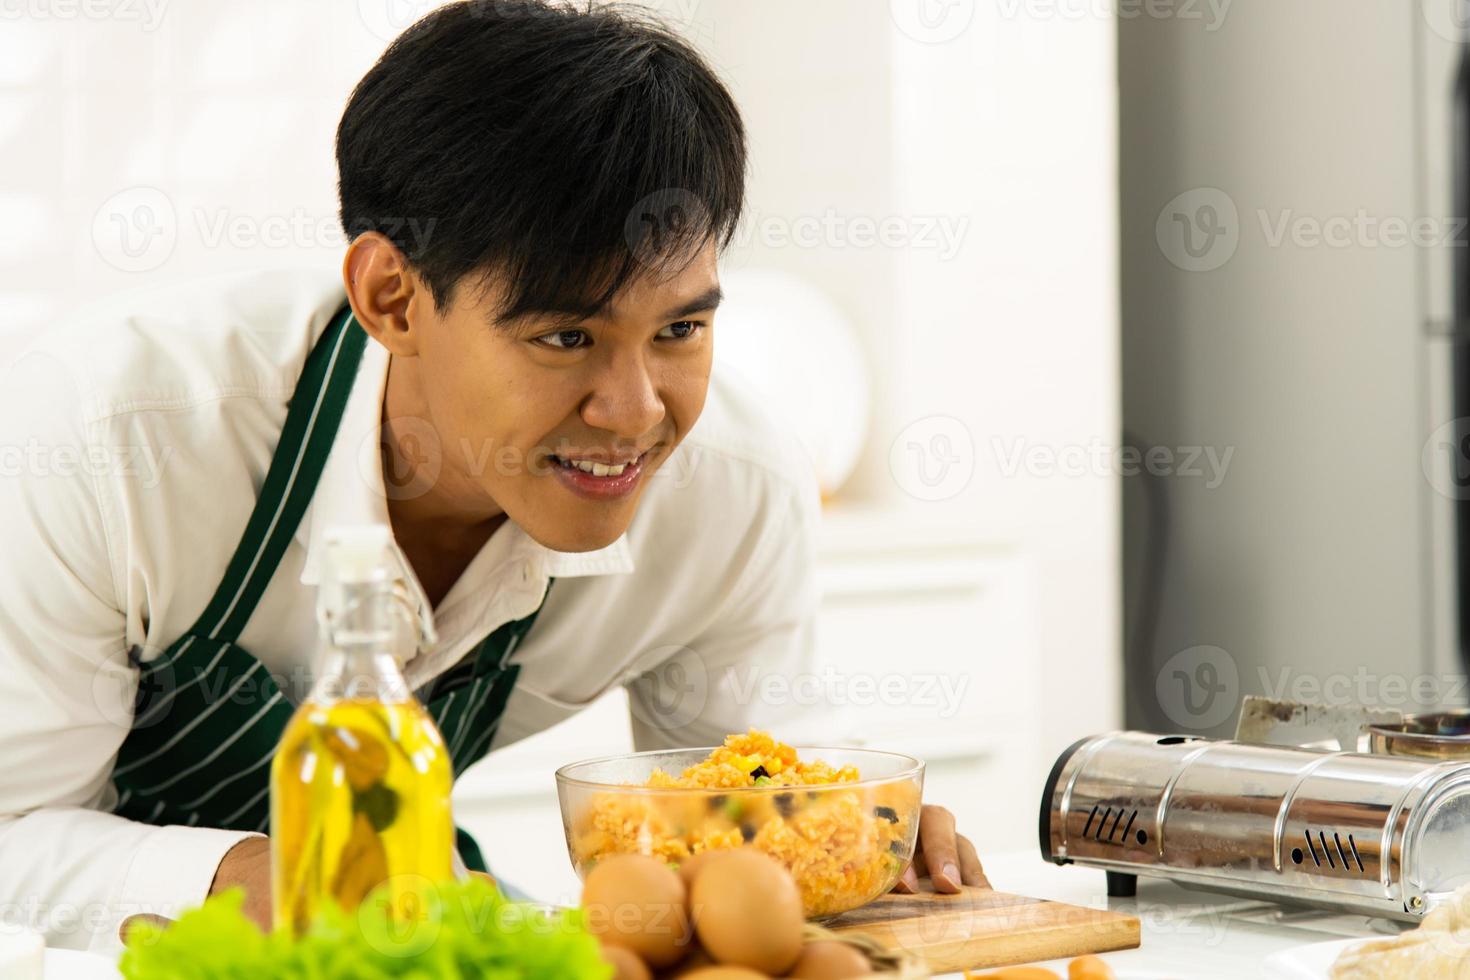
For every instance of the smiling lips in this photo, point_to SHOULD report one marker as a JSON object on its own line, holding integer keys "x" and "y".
{"x": 597, "y": 480}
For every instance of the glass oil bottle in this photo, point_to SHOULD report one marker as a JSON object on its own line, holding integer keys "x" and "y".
{"x": 361, "y": 781}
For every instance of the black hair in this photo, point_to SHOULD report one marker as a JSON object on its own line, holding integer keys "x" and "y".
{"x": 565, "y": 149}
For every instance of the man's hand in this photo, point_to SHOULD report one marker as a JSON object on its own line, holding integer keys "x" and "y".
{"x": 945, "y": 857}
{"x": 248, "y": 864}
{"x": 125, "y": 931}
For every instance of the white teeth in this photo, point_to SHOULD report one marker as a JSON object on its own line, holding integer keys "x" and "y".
{"x": 598, "y": 469}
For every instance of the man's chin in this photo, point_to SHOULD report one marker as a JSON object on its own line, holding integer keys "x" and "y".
{"x": 575, "y": 537}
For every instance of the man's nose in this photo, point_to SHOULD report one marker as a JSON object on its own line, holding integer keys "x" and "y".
{"x": 625, "y": 400}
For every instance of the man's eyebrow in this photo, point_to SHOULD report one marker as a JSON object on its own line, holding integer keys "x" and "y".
{"x": 707, "y": 300}
{"x": 568, "y": 319}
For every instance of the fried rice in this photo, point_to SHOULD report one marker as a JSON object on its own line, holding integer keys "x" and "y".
{"x": 844, "y": 843}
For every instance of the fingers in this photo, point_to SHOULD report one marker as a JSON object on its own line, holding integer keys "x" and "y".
{"x": 908, "y": 882}
{"x": 948, "y": 859}
{"x": 970, "y": 869}
{"x": 247, "y": 866}
{"x": 125, "y": 931}
{"x": 937, "y": 838}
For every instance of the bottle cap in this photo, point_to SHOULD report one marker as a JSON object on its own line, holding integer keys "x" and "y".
{"x": 358, "y": 554}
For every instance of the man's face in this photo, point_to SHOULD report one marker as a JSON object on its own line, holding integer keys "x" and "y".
{"x": 524, "y": 411}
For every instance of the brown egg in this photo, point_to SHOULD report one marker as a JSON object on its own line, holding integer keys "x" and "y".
{"x": 697, "y": 959}
{"x": 830, "y": 960}
{"x": 625, "y": 963}
{"x": 1089, "y": 968}
{"x": 637, "y": 902}
{"x": 725, "y": 973}
{"x": 747, "y": 911}
{"x": 688, "y": 869}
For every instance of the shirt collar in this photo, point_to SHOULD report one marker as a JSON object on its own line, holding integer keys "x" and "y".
{"x": 352, "y": 491}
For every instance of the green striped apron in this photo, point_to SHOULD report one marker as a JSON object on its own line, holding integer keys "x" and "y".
{"x": 208, "y": 716}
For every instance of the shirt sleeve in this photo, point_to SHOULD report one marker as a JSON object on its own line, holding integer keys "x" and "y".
{"x": 756, "y": 665}
{"x": 68, "y": 868}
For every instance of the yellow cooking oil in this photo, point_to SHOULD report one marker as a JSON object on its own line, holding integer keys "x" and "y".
{"x": 361, "y": 780}
{"x": 360, "y": 797}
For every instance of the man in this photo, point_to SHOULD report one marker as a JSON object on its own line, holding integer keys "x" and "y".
{"x": 513, "y": 371}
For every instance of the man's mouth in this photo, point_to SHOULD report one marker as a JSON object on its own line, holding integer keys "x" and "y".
{"x": 601, "y": 477}
{"x": 599, "y": 467}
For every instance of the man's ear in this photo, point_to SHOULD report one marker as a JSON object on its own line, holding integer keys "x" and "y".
{"x": 387, "y": 297}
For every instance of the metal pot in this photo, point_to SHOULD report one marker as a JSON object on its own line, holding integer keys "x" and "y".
{"x": 1436, "y": 735}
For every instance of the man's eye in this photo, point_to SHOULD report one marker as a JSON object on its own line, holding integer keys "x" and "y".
{"x": 682, "y": 330}
{"x": 564, "y": 339}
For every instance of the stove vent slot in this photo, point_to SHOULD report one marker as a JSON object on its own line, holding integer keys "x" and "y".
{"x": 1110, "y": 827}
{"x": 1330, "y": 851}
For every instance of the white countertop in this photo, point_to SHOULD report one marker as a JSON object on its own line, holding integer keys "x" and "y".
{"x": 1187, "y": 934}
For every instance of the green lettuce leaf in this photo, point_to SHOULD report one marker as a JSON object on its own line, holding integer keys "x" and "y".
{"x": 468, "y": 929}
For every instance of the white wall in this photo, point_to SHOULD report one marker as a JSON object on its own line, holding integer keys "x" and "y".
{"x": 207, "y": 133}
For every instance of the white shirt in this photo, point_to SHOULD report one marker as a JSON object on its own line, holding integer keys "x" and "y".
{"x": 133, "y": 440}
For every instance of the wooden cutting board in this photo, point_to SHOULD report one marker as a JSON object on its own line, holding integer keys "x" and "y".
{"x": 978, "y": 928}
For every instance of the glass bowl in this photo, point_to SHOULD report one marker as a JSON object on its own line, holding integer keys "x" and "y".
{"x": 844, "y": 843}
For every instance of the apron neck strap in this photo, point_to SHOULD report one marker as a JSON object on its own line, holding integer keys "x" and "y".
{"x": 306, "y": 440}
